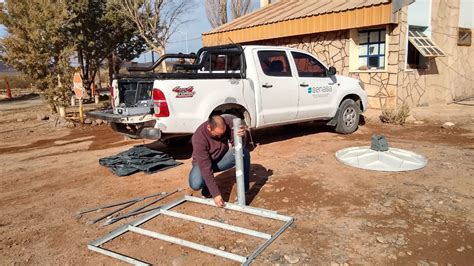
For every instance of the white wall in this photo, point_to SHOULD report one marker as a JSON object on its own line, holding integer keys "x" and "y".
{"x": 466, "y": 14}
{"x": 419, "y": 13}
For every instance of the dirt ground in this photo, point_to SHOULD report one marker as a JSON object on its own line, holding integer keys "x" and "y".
{"x": 343, "y": 215}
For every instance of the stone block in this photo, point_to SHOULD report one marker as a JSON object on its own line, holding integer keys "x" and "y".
{"x": 393, "y": 58}
{"x": 374, "y": 103}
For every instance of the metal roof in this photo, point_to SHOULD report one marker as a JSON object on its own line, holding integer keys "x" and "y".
{"x": 284, "y": 10}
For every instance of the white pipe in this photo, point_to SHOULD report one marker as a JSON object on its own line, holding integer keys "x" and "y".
{"x": 229, "y": 227}
{"x": 188, "y": 244}
{"x": 240, "y": 208}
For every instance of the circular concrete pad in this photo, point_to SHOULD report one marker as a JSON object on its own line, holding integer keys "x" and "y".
{"x": 393, "y": 160}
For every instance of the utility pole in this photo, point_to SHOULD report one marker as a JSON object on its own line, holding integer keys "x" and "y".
{"x": 185, "y": 39}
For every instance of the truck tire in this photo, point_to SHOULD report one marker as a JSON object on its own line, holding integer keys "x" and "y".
{"x": 177, "y": 141}
{"x": 348, "y": 117}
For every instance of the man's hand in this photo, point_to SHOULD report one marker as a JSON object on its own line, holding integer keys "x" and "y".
{"x": 242, "y": 131}
{"x": 219, "y": 201}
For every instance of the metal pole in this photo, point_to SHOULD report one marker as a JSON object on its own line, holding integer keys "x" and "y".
{"x": 239, "y": 162}
{"x": 186, "y": 39}
{"x": 112, "y": 212}
{"x": 225, "y": 226}
{"x": 137, "y": 211}
{"x": 188, "y": 244}
{"x": 137, "y": 199}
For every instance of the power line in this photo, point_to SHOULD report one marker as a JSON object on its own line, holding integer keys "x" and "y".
{"x": 192, "y": 39}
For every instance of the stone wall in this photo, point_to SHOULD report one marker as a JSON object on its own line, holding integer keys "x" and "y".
{"x": 447, "y": 78}
{"x": 331, "y": 48}
{"x": 411, "y": 83}
{"x": 456, "y": 70}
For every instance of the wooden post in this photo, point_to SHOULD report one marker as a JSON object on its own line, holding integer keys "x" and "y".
{"x": 93, "y": 89}
{"x": 9, "y": 92}
{"x": 81, "y": 111}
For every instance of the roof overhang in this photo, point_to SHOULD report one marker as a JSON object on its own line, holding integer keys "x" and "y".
{"x": 349, "y": 19}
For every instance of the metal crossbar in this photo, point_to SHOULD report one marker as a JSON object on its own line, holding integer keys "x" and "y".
{"x": 165, "y": 210}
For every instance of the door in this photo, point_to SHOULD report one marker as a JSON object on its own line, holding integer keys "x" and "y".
{"x": 279, "y": 96}
{"x": 316, "y": 88}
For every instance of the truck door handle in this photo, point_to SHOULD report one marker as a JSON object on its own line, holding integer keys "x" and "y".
{"x": 266, "y": 85}
{"x": 304, "y": 84}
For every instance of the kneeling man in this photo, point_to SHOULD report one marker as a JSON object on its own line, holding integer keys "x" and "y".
{"x": 212, "y": 152}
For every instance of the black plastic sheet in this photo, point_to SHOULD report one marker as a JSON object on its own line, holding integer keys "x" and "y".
{"x": 138, "y": 158}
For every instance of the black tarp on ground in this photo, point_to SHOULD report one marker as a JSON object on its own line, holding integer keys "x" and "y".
{"x": 136, "y": 159}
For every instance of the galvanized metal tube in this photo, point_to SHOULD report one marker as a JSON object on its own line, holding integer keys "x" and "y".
{"x": 112, "y": 212}
{"x": 229, "y": 227}
{"x": 244, "y": 209}
{"x": 117, "y": 256}
{"x": 188, "y": 244}
{"x": 239, "y": 162}
{"x": 119, "y": 203}
{"x": 124, "y": 228}
{"x": 267, "y": 243}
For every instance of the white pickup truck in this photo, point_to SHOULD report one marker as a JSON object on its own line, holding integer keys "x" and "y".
{"x": 264, "y": 85}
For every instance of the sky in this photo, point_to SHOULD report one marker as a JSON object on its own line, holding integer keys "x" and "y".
{"x": 192, "y": 30}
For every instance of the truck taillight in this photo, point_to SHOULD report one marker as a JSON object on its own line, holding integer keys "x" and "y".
{"x": 112, "y": 101}
{"x": 159, "y": 103}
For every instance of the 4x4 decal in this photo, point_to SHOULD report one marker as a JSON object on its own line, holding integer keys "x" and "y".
{"x": 187, "y": 92}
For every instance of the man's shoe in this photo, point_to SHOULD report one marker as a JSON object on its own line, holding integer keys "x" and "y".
{"x": 205, "y": 193}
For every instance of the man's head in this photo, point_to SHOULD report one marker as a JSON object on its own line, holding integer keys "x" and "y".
{"x": 216, "y": 126}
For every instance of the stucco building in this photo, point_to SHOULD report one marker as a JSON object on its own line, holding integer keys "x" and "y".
{"x": 404, "y": 51}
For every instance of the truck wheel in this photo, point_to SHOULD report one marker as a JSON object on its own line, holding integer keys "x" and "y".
{"x": 348, "y": 117}
{"x": 177, "y": 141}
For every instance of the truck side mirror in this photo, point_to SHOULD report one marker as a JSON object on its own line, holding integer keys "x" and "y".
{"x": 331, "y": 71}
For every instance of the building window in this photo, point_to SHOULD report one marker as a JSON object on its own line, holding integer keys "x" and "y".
{"x": 421, "y": 48}
{"x": 464, "y": 37}
{"x": 371, "y": 44}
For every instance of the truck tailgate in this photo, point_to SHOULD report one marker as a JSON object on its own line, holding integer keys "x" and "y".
{"x": 108, "y": 115}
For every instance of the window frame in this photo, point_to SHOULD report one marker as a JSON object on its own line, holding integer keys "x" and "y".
{"x": 290, "y": 72}
{"x": 369, "y": 43}
{"x": 464, "y": 33}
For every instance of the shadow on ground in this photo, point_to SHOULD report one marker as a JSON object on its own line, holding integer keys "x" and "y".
{"x": 30, "y": 96}
{"x": 258, "y": 175}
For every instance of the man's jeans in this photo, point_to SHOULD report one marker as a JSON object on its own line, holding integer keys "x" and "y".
{"x": 196, "y": 182}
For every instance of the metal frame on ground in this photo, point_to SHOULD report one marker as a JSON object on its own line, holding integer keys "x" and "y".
{"x": 165, "y": 210}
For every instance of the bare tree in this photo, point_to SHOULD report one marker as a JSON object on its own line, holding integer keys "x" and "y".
{"x": 239, "y": 8}
{"x": 155, "y": 20}
{"x": 216, "y": 11}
